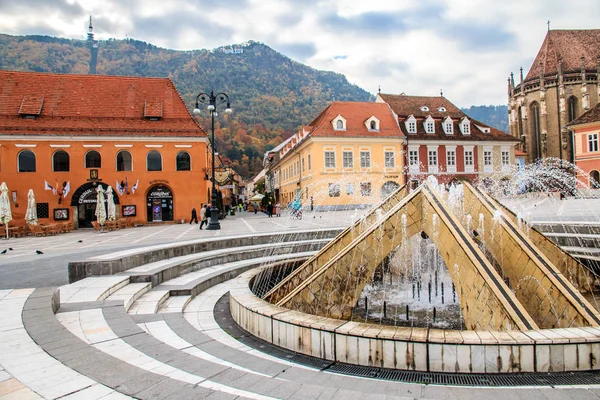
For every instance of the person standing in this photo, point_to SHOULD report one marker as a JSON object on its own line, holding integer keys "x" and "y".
{"x": 270, "y": 209}
{"x": 194, "y": 216}
{"x": 203, "y": 218}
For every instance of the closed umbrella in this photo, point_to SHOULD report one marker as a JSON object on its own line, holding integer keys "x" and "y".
{"x": 100, "y": 208}
{"x": 5, "y": 214}
{"x": 110, "y": 204}
{"x": 31, "y": 213}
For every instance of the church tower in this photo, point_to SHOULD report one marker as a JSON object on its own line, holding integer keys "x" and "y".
{"x": 93, "y": 45}
{"x": 561, "y": 84}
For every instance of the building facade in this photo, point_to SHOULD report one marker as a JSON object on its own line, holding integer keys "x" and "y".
{"x": 65, "y": 135}
{"x": 561, "y": 85}
{"x": 350, "y": 155}
{"x": 586, "y": 139}
{"x": 443, "y": 141}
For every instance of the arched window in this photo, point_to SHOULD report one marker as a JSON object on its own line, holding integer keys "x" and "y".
{"x": 571, "y": 108}
{"x": 26, "y": 161}
{"x": 60, "y": 161}
{"x": 183, "y": 161}
{"x": 594, "y": 179}
{"x": 339, "y": 124}
{"x": 154, "y": 161}
{"x": 536, "y": 149}
{"x": 93, "y": 159}
{"x": 124, "y": 161}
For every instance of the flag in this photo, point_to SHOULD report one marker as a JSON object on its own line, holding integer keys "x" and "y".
{"x": 48, "y": 186}
{"x": 120, "y": 188}
{"x": 66, "y": 189}
{"x": 56, "y": 187}
{"x": 134, "y": 187}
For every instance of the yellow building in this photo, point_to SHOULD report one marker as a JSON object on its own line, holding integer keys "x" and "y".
{"x": 350, "y": 155}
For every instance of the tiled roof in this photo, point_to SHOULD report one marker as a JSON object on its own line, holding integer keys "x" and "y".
{"x": 591, "y": 115}
{"x": 405, "y": 106}
{"x": 91, "y": 105}
{"x": 356, "y": 114}
{"x": 570, "y": 45}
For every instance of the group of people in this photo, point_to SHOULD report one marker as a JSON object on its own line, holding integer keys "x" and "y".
{"x": 204, "y": 212}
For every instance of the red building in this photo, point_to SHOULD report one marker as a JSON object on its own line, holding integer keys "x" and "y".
{"x": 586, "y": 132}
{"x": 443, "y": 141}
{"x": 63, "y": 135}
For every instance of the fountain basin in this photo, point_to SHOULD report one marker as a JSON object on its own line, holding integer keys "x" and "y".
{"x": 417, "y": 349}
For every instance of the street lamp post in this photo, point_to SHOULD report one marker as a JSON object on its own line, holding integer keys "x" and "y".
{"x": 213, "y": 100}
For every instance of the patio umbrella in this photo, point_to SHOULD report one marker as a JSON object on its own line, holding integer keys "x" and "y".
{"x": 110, "y": 204}
{"x": 100, "y": 208}
{"x": 5, "y": 214}
{"x": 31, "y": 213}
{"x": 257, "y": 197}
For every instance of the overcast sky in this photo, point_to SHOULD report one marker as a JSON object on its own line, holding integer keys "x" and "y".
{"x": 465, "y": 47}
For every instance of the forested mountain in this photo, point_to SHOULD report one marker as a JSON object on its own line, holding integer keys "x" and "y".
{"x": 496, "y": 116}
{"x": 271, "y": 95}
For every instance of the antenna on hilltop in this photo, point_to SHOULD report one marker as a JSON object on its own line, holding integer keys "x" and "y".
{"x": 548, "y": 25}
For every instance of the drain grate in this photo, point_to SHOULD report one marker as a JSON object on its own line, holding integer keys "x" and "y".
{"x": 226, "y": 322}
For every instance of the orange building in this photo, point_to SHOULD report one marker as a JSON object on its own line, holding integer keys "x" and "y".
{"x": 586, "y": 142}
{"x": 63, "y": 135}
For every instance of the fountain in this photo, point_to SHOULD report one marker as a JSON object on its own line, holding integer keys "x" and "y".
{"x": 380, "y": 293}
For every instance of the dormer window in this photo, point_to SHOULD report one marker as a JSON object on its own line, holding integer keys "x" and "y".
{"x": 424, "y": 108}
{"x": 339, "y": 123}
{"x": 484, "y": 129}
{"x": 448, "y": 126}
{"x": 411, "y": 124}
{"x": 441, "y": 109}
{"x": 429, "y": 125}
{"x": 465, "y": 126}
{"x": 372, "y": 124}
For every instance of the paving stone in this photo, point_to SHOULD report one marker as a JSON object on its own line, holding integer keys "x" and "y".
{"x": 140, "y": 383}
{"x": 236, "y": 378}
{"x": 190, "y": 392}
{"x": 163, "y": 389}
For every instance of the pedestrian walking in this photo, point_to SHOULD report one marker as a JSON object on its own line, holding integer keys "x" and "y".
{"x": 203, "y": 216}
{"x": 194, "y": 216}
{"x": 270, "y": 209}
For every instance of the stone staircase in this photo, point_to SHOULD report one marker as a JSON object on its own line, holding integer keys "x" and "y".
{"x": 151, "y": 332}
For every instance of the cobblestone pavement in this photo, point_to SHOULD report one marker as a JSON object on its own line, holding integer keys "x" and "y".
{"x": 115, "y": 339}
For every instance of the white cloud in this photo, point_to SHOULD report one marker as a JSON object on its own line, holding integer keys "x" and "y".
{"x": 465, "y": 47}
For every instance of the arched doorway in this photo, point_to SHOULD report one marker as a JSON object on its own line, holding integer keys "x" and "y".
{"x": 159, "y": 204}
{"x": 388, "y": 188}
{"x": 84, "y": 198}
{"x": 594, "y": 179}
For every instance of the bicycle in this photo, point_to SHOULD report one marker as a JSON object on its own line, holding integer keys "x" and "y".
{"x": 296, "y": 214}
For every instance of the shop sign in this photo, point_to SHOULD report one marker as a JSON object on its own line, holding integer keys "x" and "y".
{"x": 160, "y": 193}
{"x": 158, "y": 181}
{"x": 83, "y": 199}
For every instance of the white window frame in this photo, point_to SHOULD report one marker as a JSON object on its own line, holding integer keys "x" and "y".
{"x": 469, "y": 158}
{"x": 592, "y": 142}
{"x": 505, "y": 158}
{"x": 433, "y": 159}
{"x": 488, "y": 159}
{"x": 368, "y": 189}
{"x": 451, "y": 156}
{"x": 411, "y": 124}
{"x": 335, "y": 121}
{"x": 413, "y": 159}
{"x": 465, "y": 126}
{"x": 345, "y": 152}
{"x": 448, "y": 126}
{"x": 429, "y": 125}
{"x": 389, "y": 159}
{"x": 365, "y": 159}
{"x": 368, "y": 124}
{"x": 331, "y": 161}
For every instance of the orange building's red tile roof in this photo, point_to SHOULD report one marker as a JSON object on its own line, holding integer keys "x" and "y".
{"x": 356, "y": 114}
{"x": 570, "y": 45}
{"x": 439, "y": 108}
{"x": 91, "y": 105}
{"x": 591, "y": 115}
